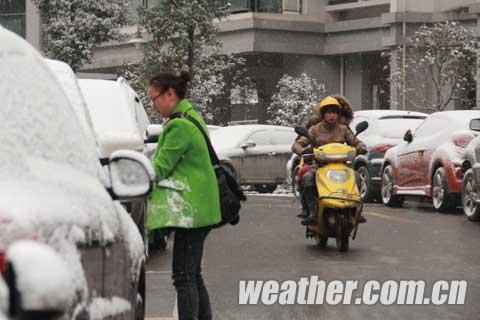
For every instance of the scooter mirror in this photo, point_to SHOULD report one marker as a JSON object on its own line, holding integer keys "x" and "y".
{"x": 361, "y": 127}
{"x": 301, "y": 131}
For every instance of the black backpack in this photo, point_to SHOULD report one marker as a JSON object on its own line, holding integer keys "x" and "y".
{"x": 231, "y": 194}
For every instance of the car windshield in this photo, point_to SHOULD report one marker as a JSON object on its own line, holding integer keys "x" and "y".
{"x": 395, "y": 126}
{"x": 38, "y": 123}
{"x": 105, "y": 98}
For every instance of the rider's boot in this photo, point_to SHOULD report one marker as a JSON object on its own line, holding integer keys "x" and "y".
{"x": 312, "y": 217}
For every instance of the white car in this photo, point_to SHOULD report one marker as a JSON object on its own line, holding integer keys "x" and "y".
{"x": 256, "y": 154}
{"x": 55, "y": 192}
{"x": 119, "y": 121}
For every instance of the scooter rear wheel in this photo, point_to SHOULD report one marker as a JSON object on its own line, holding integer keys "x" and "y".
{"x": 320, "y": 241}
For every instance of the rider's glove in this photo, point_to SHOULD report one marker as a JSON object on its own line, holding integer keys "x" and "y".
{"x": 308, "y": 150}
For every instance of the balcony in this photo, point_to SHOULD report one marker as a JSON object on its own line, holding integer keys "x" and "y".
{"x": 265, "y": 6}
{"x": 344, "y": 5}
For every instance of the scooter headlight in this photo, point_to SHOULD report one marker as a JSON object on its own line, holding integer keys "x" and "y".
{"x": 338, "y": 176}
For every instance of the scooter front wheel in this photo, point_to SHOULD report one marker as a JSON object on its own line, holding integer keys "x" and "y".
{"x": 342, "y": 236}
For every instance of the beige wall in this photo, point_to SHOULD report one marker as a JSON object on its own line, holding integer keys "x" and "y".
{"x": 428, "y": 5}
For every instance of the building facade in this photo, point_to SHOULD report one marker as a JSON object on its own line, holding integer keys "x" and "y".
{"x": 338, "y": 42}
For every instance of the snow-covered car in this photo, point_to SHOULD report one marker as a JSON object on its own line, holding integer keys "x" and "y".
{"x": 471, "y": 176}
{"x": 256, "y": 154}
{"x": 55, "y": 192}
{"x": 386, "y": 129}
{"x": 119, "y": 121}
{"x": 429, "y": 162}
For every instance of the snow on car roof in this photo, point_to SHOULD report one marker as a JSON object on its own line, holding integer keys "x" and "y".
{"x": 112, "y": 114}
{"x": 382, "y": 113}
{"x": 70, "y": 86}
{"x": 233, "y": 135}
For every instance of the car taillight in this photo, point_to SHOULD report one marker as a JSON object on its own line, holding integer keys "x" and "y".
{"x": 462, "y": 140}
{"x": 380, "y": 148}
{"x": 3, "y": 263}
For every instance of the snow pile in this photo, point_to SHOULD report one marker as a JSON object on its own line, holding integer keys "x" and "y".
{"x": 42, "y": 277}
{"x": 101, "y": 308}
{"x": 4, "y": 297}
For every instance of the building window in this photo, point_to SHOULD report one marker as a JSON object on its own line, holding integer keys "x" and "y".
{"x": 269, "y": 6}
{"x": 12, "y": 16}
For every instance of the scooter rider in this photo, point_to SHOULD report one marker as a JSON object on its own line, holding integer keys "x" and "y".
{"x": 327, "y": 131}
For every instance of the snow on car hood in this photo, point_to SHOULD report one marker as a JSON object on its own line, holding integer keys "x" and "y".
{"x": 55, "y": 196}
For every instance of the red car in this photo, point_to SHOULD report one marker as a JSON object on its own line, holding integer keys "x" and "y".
{"x": 428, "y": 163}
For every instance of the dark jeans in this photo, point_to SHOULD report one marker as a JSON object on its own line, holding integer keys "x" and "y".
{"x": 192, "y": 296}
{"x": 309, "y": 193}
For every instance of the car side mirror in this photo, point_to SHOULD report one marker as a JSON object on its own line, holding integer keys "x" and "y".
{"x": 408, "y": 136}
{"x": 152, "y": 133}
{"x": 40, "y": 283}
{"x": 475, "y": 124}
{"x": 249, "y": 144}
{"x": 361, "y": 127}
{"x": 131, "y": 175}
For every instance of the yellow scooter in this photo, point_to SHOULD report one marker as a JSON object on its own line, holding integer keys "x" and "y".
{"x": 339, "y": 201}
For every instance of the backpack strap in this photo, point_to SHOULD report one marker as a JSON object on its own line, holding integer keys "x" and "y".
{"x": 213, "y": 155}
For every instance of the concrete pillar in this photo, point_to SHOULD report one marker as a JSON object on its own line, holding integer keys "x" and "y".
{"x": 33, "y": 25}
{"x": 395, "y": 92}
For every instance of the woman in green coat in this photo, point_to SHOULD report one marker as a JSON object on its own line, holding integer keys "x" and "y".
{"x": 186, "y": 196}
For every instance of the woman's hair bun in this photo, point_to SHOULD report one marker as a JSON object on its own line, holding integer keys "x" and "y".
{"x": 185, "y": 76}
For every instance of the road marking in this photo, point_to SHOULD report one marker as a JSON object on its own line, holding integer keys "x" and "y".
{"x": 391, "y": 218}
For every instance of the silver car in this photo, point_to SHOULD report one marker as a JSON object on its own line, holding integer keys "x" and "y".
{"x": 256, "y": 154}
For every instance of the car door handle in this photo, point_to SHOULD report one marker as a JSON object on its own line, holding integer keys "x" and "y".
{"x": 271, "y": 154}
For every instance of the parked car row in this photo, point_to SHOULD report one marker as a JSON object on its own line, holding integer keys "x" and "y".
{"x": 113, "y": 118}
{"x": 54, "y": 191}
{"x": 431, "y": 162}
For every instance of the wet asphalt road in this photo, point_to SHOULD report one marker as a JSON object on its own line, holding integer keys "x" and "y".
{"x": 413, "y": 242}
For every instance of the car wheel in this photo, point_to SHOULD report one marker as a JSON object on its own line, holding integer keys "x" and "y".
{"x": 265, "y": 188}
{"x": 388, "y": 198}
{"x": 469, "y": 197}
{"x": 442, "y": 200}
{"x": 363, "y": 183}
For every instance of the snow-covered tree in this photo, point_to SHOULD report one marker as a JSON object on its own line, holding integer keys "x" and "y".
{"x": 185, "y": 37}
{"x": 295, "y": 100}
{"x": 73, "y": 28}
{"x": 440, "y": 67}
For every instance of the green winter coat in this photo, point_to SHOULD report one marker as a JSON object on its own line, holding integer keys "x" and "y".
{"x": 186, "y": 192}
